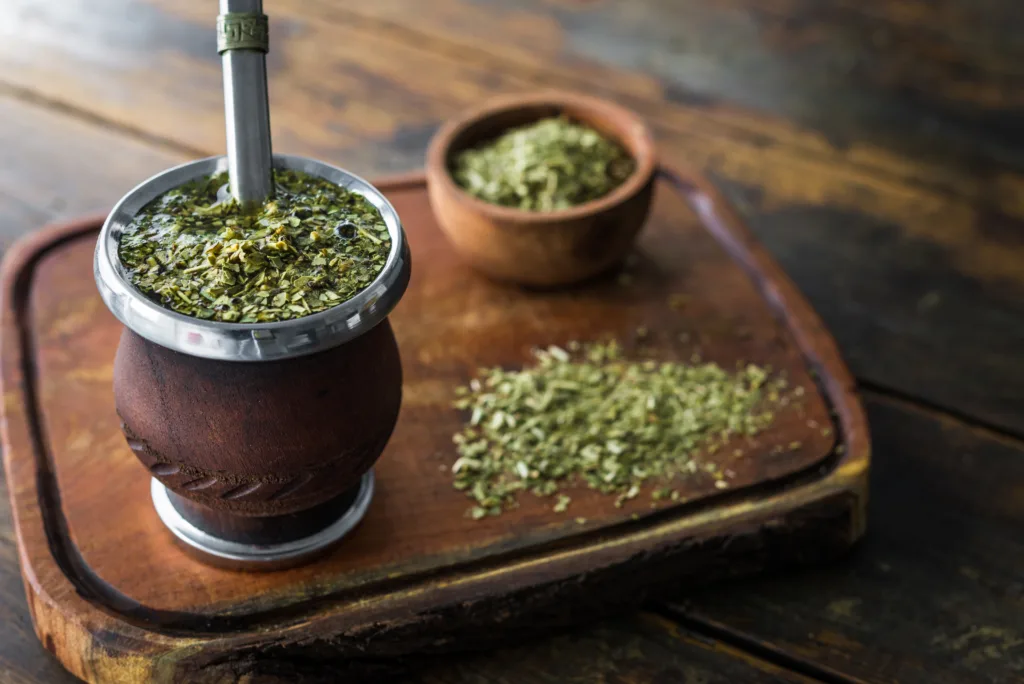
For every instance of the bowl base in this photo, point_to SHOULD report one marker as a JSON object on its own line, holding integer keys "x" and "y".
{"x": 268, "y": 543}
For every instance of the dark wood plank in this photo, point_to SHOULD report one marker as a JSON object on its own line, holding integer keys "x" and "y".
{"x": 938, "y": 81}
{"x": 56, "y": 165}
{"x": 934, "y": 594}
{"x": 910, "y": 315}
{"x": 800, "y": 184}
{"x": 390, "y": 69}
{"x": 368, "y": 96}
{"x": 643, "y": 649}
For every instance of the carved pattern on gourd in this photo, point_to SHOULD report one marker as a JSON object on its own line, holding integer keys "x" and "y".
{"x": 233, "y": 487}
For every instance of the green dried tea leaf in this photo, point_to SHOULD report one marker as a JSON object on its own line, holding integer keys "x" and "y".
{"x": 588, "y": 416}
{"x": 551, "y": 164}
{"x": 313, "y": 246}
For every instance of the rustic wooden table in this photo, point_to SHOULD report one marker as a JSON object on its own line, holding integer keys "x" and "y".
{"x": 875, "y": 148}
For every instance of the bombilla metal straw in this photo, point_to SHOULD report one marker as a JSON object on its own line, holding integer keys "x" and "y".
{"x": 242, "y": 43}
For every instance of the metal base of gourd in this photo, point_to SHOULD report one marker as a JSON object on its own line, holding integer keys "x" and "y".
{"x": 262, "y": 543}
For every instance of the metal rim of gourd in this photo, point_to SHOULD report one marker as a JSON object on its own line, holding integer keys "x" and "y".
{"x": 247, "y": 341}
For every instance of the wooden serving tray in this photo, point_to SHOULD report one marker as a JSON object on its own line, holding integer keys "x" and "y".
{"x": 115, "y": 600}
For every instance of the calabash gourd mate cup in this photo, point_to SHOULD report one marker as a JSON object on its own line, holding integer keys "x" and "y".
{"x": 259, "y": 437}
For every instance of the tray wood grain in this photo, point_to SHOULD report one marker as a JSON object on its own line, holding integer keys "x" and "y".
{"x": 116, "y": 600}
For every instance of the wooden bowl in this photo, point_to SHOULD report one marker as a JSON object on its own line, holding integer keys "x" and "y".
{"x": 542, "y": 248}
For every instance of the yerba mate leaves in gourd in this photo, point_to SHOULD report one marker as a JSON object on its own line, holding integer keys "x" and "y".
{"x": 311, "y": 247}
{"x": 589, "y": 416}
{"x": 551, "y": 164}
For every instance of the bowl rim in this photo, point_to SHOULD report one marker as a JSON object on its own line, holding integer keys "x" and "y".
{"x": 631, "y": 131}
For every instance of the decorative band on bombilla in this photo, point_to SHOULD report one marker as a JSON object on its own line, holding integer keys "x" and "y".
{"x": 260, "y": 437}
